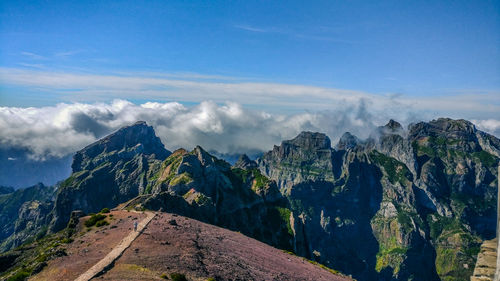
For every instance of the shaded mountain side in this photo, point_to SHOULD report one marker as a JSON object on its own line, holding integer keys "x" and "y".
{"x": 24, "y": 213}
{"x": 419, "y": 201}
{"x": 109, "y": 171}
{"x": 6, "y": 189}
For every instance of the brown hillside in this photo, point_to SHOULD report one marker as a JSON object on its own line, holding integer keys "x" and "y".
{"x": 175, "y": 244}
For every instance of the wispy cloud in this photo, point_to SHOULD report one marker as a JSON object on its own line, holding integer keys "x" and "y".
{"x": 32, "y": 65}
{"x": 33, "y": 56}
{"x": 254, "y": 29}
{"x": 197, "y": 88}
{"x": 68, "y": 53}
{"x": 297, "y": 34}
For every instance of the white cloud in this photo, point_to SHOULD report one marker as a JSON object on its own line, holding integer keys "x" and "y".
{"x": 189, "y": 87}
{"x": 489, "y": 125}
{"x": 33, "y": 56}
{"x": 225, "y": 123}
{"x": 227, "y": 128}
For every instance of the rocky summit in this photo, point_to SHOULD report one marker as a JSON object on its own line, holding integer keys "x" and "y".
{"x": 410, "y": 203}
{"x": 109, "y": 171}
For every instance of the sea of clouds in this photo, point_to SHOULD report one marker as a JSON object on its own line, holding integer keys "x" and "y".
{"x": 228, "y": 128}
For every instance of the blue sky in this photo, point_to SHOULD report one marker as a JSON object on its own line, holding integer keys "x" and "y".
{"x": 409, "y": 48}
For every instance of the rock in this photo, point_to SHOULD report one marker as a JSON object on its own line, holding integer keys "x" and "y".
{"x": 23, "y": 213}
{"x": 347, "y": 141}
{"x": 245, "y": 163}
{"x": 75, "y": 218}
{"x": 486, "y": 262}
{"x": 306, "y": 157}
{"x": 38, "y": 268}
{"x": 125, "y": 143}
{"x": 110, "y": 171}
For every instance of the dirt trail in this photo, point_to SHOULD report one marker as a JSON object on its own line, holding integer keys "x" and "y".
{"x": 112, "y": 256}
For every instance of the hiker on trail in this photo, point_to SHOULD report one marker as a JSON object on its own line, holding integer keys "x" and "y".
{"x": 135, "y": 225}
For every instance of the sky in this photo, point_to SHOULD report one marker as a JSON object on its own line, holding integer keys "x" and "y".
{"x": 356, "y": 63}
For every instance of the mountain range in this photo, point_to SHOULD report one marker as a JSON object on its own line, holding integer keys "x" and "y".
{"x": 404, "y": 204}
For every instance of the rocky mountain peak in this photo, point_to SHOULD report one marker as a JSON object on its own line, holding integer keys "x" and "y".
{"x": 310, "y": 141}
{"x": 203, "y": 156}
{"x": 393, "y": 125}
{"x": 245, "y": 163}
{"x": 391, "y": 128}
{"x": 347, "y": 141}
{"x": 135, "y": 139}
{"x": 446, "y": 127}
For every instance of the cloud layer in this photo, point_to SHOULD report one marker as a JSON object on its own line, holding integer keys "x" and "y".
{"x": 190, "y": 87}
{"x": 227, "y": 128}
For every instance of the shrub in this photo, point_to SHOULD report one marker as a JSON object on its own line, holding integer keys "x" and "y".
{"x": 101, "y": 223}
{"x": 67, "y": 240}
{"x": 178, "y": 277}
{"x": 94, "y": 219}
{"x": 104, "y": 211}
{"x": 164, "y": 276}
{"x": 211, "y": 279}
{"x": 19, "y": 276}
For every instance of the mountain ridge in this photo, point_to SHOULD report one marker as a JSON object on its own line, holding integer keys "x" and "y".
{"x": 385, "y": 208}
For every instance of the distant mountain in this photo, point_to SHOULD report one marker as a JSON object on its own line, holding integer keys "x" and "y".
{"x": 18, "y": 169}
{"x": 404, "y": 204}
{"x": 24, "y": 213}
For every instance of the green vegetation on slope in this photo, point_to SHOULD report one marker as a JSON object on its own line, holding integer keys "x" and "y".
{"x": 395, "y": 170}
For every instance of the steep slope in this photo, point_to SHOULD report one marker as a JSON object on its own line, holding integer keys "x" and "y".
{"x": 110, "y": 171}
{"x": 456, "y": 180}
{"x": 170, "y": 244}
{"x": 306, "y": 157}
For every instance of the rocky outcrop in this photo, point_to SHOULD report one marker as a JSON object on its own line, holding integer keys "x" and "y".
{"x": 486, "y": 262}
{"x": 306, "y": 157}
{"x": 348, "y": 141}
{"x": 199, "y": 185}
{"x": 31, "y": 224}
{"x": 402, "y": 205}
{"x": 245, "y": 163}
{"x": 110, "y": 171}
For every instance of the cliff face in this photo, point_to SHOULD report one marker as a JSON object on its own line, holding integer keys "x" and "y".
{"x": 403, "y": 204}
{"x": 109, "y": 172}
{"x": 306, "y": 157}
